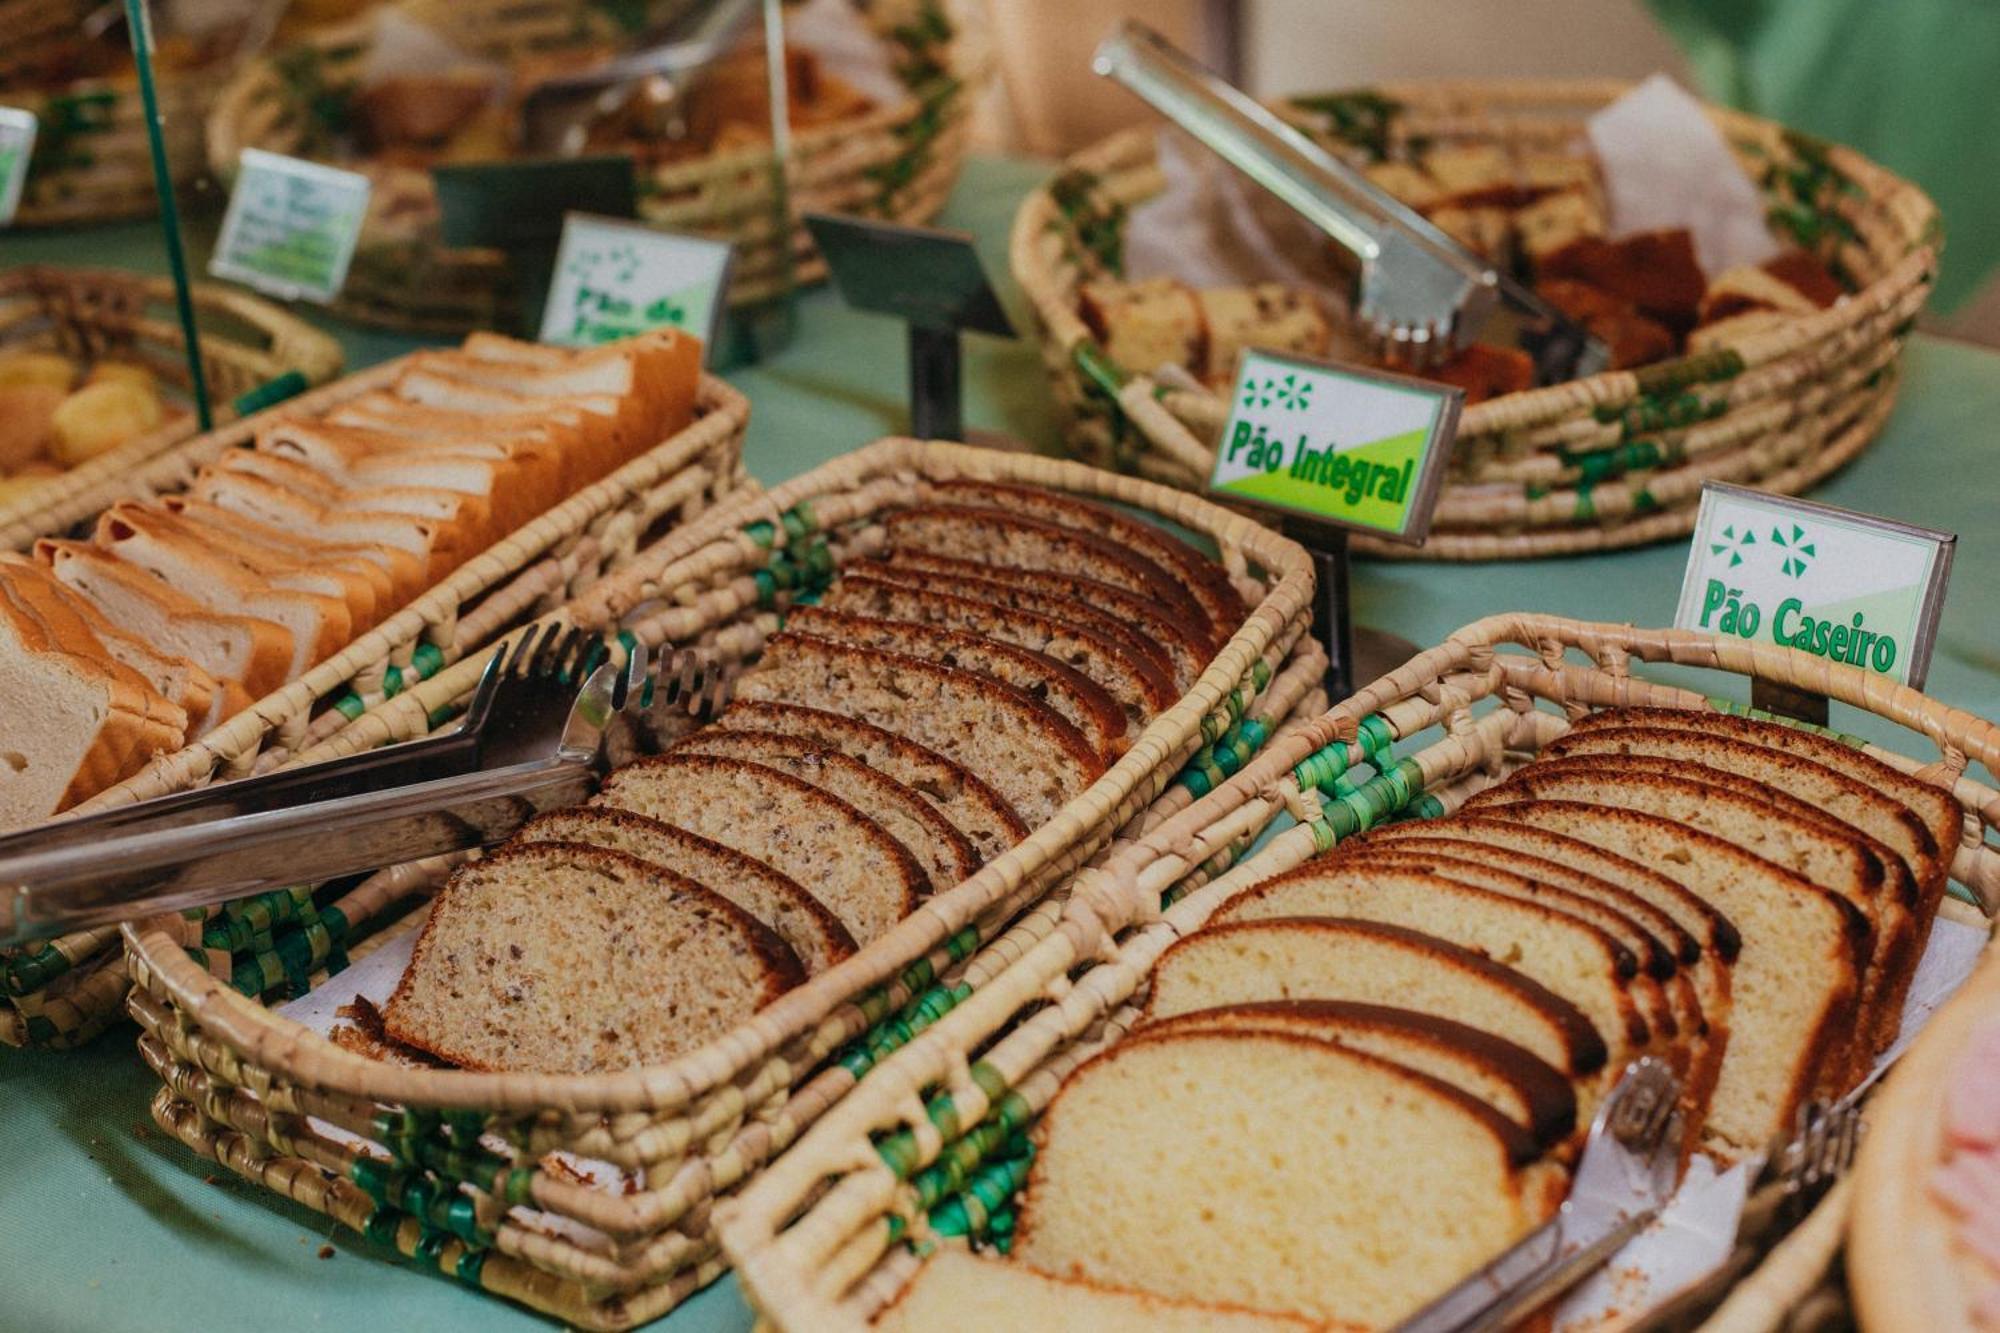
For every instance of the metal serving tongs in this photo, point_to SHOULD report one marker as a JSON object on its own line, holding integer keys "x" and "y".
{"x": 556, "y": 114}
{"x": 533, "y": 739}
{"x": 1626, "y": 1176}
{"x": 1420, "y": 294}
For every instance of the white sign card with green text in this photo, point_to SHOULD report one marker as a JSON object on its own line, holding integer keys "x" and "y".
{"x": 17, "y": 146}
{"x": 614, "y": 278}
{"x": 1840, "y": 585}
{"x": 291, "y": 226}
{"x": 1357, "y": 448}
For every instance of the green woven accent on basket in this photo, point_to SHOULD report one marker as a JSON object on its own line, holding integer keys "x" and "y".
{"x": 1361, "y": 119}
{"x": 323, "y": 105}
{"x": 763, "y": 532}
{"x": 1099, "y": 229}
{"x": 381, "y": 1226}
{"x": 41, "y": 1030}
{"x": 270, "y": 393}
{"x": 1669, "y": 408}
{"x": 989, "y": 1189}
{"x": 1214, "y": 763}
{"x": 886, "y": 1033}
{"x": 1671, "y": 377}
{"x": 1596, "y": 465}
{"x": 1368, "y": 804}
{"x": 1426, "y": 807}
{"x": 1099, "y": 370}
{"x": 349, "y": 705}
{"x": 32, "y": 971}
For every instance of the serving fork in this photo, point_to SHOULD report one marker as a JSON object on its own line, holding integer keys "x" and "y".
{"x": 535, "y": 737}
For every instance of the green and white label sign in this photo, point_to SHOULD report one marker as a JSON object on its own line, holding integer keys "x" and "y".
{"x": 615, "y": 278}
{"x": 291, "y": 226}
{"x": 1357, "y": 448}
{"x": 1845, "y": 586}
{"x": 17, "y": 145}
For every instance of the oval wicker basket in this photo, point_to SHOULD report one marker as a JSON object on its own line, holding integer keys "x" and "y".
{"x": 435, "y": 1161}
{"x": 1614, "y": 460}
{"x": 65, "y": 991}
{"x": 253, "y": 355}
{"x": 929, "y": 1147}
{"x": 92, "y": 160}
{"x": 895, "y": 162}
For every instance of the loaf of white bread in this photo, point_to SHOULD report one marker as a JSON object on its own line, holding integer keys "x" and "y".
{"x": 940, "y": 701}
{"x": 172, "y": 614}
{"x": 1365, "y": 1076}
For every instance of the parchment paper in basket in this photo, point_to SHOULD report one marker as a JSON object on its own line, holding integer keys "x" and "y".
{"x": 1666, "y": 165}
{"x": 1697, "y": 1230}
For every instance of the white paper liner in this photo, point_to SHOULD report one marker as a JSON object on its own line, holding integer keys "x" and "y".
{"x": 1697, "y": 1230}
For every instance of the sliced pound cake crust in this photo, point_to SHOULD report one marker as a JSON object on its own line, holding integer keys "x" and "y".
{"x": 833, "y": 851}
{"x": 1019, "y": 745}
{"x": 795, "y": 916}
{"x": 564, "y": 959}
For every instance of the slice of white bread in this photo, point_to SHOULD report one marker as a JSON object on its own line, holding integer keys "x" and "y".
{"x": 1076, "y": 698}
{"x": 394, "y": 577}
{"x": 944, "y": 853}
{"x": 1822, "y": 852}
{"x": 660, "y": 369}
{"x": 970, "y": 1293}
{"x": 437, "y": 530}
{"x": 356, "y": 458}
{"x": 318, "y": 625}
{"x": 557, "y": 958}
{"x": 357, "y": 586}
{"x": 1568, "y": 956}
{"x": 1018, "y": 745}
{"x": 1513, "y": 1081}
{"x": 1795, "y": 980}
{"x": 1100, "y": 612}
{"x": 253, "y": 652}
{"x": 1017, "y": 541}
{"x": 795, "y": 916}
{"x": 974, "y": 808}
{"x": 1276, "y": 1172}
{"x": 1204, "y": 578}
{"x": 831, "y": 850}
{"x": 1326, "y": 958}
{"x": 608, "y": 431}
{"x": 555, "y": 434}
{"x": 1888, "y": 822}
{"x": 1933, "y": 804}
{"x": 1139, "y": 688}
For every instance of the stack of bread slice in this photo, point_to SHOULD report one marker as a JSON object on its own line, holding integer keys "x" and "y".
{"x": 937, "y": 702}
{"x": 280, "y": 554}
{"x": 1368, "y": 1074}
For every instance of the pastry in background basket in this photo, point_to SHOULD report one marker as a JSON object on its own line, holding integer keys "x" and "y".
{"x": 1369, "y": 1074}
{"x": 57, "y": 412}
{"x": 936, "y": 703}
{"x": 281, "y": 554}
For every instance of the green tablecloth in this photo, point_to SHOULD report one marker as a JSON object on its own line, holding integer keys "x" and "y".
{"x": 106, "y": 1225}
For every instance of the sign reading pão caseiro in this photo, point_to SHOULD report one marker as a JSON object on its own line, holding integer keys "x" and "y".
{"x": 1837, "y": 584}
{"x": 291, "y": 226}
{"x": 1360, "y": 449}
{"x": 17, "y": 145}
{"x": 615, "y": 278}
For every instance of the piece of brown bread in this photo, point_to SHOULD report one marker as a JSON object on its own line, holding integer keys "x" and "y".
{"x": 1138, "y": 624}
{"x": 943, "y": 852}
{"x": 563, "y": 959}
{"x": 1795, "y": 979}
{"x": 795, "y": 916}
{"x": 1018, "y": 745}
{"x": 833, "y": 851}
{"x": 1203, "y": 577}
{"x": 1076, "y": 699}
{"x": 973, "y": 807}
{"x": 1512, "y": 1080}
{"x": 1013, "y": 540}
{"x": 1139, "y": 688}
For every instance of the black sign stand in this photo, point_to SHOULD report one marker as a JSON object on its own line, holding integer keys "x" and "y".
{"x": 1799, "y": 705}
{"x": 520, "y": 207}
{"x": 934, "y": 282}
{"x": 1355, "y": 655}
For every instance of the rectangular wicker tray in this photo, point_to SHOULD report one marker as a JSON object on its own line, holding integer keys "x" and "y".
{"x": 927, "y": 1150}
{"x": 452, "y": 1166}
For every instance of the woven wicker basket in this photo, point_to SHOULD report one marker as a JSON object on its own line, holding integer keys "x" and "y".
{"x": 430, "y": 1161}
{"x": 1614, "y": 460}
{"x": 92, "y": 161}
{"x": 895, "y": 162}
{"x": 67, "y": 990}
{"x": 253, "y": 355}
{"x": 931, "y": 1147}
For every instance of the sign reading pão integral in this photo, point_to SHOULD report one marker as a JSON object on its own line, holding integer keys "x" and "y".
{"x": 613, "y": 279}
{"x": 291, "y": 226}
{"x": 1840, "y": 585}
{"x": 17, "y": 145}
{"x": 1359, "y": 449}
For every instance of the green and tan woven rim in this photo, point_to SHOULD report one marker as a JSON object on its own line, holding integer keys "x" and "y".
{"x": 1611, "y": 461}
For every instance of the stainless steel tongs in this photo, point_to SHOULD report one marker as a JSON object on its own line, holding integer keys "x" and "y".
{"x": 1421, "y": 295}
{"x": 533, "y": 739}
{"x": 1625, "y": 1177}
